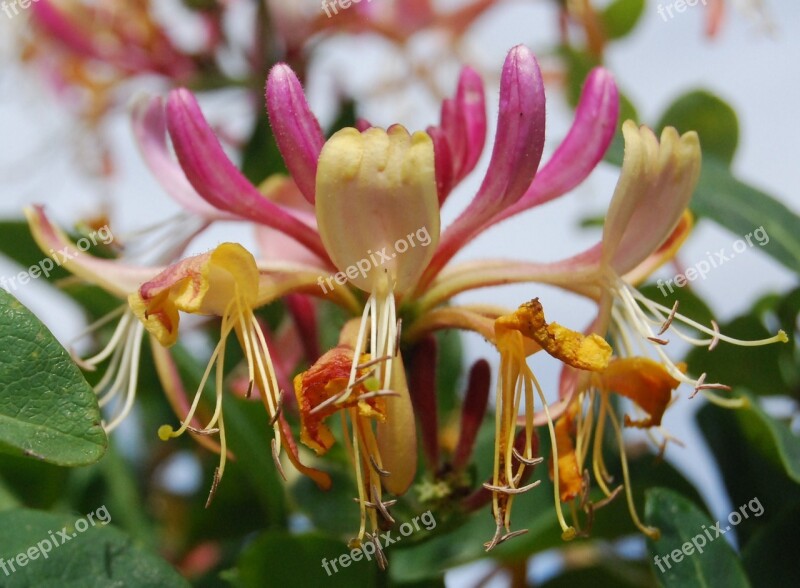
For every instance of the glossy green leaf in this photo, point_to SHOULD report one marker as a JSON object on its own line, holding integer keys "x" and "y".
{"x": 772, "y": 437}
{"x": 279, "y": 559}
{"x": 771, "y": 557}
{"x": 713, "y": 119}
{"x": 620, "y": 17}
{"x": 47, "y": 409}
{"x": 7, "y": 498}
{"x": 743, "y": 209}
{"x": 684, "y": 556}
{"x": 100, "y": 555}
{"x": 745, "y": 451}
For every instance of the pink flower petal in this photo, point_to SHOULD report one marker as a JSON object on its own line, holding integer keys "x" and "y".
{"x": 150, "y": 131}
{"x": 218, "y": 181}
{"x": 58, "y": 26}
{"x": 583, "y": 148}
{"x": 460, "y": 137}
{"x": 113, "y": 276}
{"x": 296, "y": 129}
{"x": 517, "y": 151}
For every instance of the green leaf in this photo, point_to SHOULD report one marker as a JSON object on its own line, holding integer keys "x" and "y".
{"x": 773, "y": 438}
{"x": 279, "y": 559}
{"x": 744, "y": 446}
{"x": 99, "y": 556}
{"x": 610, "y": 571}
{"x": 771, "y": 557}
{"x": 743, "y": 209}
{"x": 620, "y": 17}
{"x": 534, "y": 511}
{"x": 7, "y": 498}
{"x": 683, "y": 564}
{"x": 47, "y": 410}
{"x": 713, "y": 119}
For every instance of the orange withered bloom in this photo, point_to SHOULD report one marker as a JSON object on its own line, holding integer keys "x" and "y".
{"x": 327, "y": 379}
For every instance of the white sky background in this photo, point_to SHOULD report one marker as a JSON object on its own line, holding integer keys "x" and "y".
{"x": 755, "y": 72}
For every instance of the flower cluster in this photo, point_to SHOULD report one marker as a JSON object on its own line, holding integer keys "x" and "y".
{"x": 363, "y": 189}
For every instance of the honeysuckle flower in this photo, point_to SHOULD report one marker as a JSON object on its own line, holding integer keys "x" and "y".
{"x": 94, "y": 48}
{"x": 124, "y": 348}
{"x": 373, "y": 192}
{"x": 224, "y": 282}
{"x": 375, "y": 189}
{"x": 645, "y": 225}
{"x": 117, "y": 388}
{"x": 516, "y": 379}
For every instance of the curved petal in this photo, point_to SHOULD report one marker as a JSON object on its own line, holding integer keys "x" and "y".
{"x": 217, "y": 180}
{"x": 517, "y": 151}
{"x": 461, "y": 134}
{"x": 376, "y": 190}
{"x": 150, "y": 131}
{"x": 584, "y": 146}
{"x": 296, "y": 129}
{"x": 663, "y": 254}
{"x": 653, "y": 191}
{"x": 113, "y": 276}
{"x": 203, "y": 284}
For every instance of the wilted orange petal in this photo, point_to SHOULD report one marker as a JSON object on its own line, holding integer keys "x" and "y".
{"x": 644, "y": 381}
{"x": 590, "y": 352}
{"x": 325, "y": 379}
{"x": 570, "y": 481}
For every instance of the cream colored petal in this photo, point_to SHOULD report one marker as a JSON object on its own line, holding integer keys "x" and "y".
{"x": 377, "y": 205}
{"x": 655, "y": 186}
{"x": 397, "y": 436}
